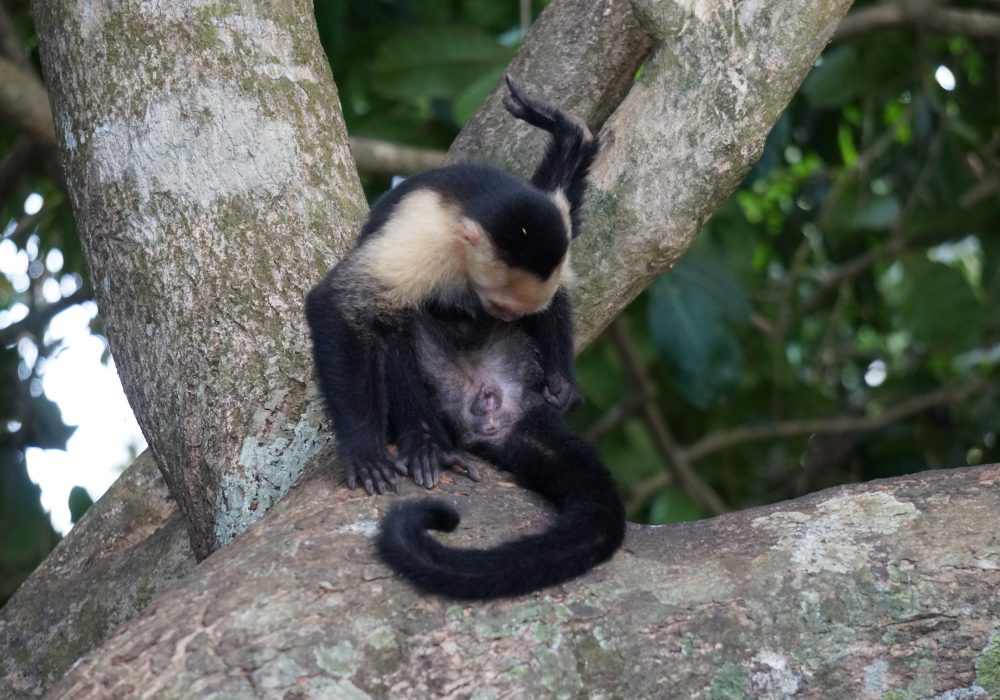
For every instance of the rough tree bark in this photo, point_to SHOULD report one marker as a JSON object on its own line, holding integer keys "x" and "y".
{"x": 212, "y": 184}
{"x": 883, "y": 590}
{"x": 258, "y": 617}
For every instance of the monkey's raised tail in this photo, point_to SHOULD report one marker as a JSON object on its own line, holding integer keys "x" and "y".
{"x": 589, "y": 527}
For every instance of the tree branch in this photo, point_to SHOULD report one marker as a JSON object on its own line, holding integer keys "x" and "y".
{"x": 924, "y": 14}
{"x": 12, "y": 164}
{"x": 384, "y": 158}
{"x": 838, "y": 424}
{"x": 11, "y": 47}
{"x": 681, "y": 471}
{"x": 25, "y": 104}
{"x": 852, "y": 592}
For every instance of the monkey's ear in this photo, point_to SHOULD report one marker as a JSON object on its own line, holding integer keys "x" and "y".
{"x": 471, "y": 231}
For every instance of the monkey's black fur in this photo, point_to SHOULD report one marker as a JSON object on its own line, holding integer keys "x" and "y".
{"x": 544, "y": 457}
{"x": 362, "y": 335}
{"x": 486, "y": 381}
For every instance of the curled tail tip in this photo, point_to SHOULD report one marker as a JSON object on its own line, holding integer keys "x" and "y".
{"x": 441, "y": 516}
{"x": 428, "y": 514}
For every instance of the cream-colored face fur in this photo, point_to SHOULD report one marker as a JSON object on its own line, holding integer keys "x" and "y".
{"x": 428, "y": 249}
{"x": 419, "y": 253}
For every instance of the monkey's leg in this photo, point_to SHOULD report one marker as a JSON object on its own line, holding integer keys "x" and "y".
{"x": 552, "y": 332}
{"x": 425, "y": 445}
{"x": 572, "y": 147}
{"x": 349, "y": 369}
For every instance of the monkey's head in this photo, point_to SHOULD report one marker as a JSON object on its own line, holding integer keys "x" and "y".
{"x": 517, "y": 251}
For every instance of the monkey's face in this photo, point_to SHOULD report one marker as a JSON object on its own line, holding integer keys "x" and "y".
{"x": 519, "y": 294}
{"x": 507, "y": 292}
{"x": 516, "y": 264}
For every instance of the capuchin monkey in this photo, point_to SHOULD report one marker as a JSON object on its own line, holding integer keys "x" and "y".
{"x": 486, "y": 378}
{"x": 464, "y": 239}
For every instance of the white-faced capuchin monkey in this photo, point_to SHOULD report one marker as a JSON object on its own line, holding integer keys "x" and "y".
{"x": 486, "y": 378}
{"x": 468, "y": 240}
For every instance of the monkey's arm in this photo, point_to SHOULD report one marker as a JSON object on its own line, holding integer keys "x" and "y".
{"x": 349, "y": 369}
{"x": 552, "y": 332}
{"x": 425, "y": 446}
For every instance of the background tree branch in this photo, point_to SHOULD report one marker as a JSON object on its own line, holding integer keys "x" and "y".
{"x": 25, "y": 104}
{"x": 388, "y": 159}
{"x": 921, "y": 14}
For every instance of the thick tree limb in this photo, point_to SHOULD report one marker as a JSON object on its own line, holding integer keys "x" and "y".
{"x": 853, "y": 592}
{"x": 130, "y": 547}
{"x": 579, "y": 54}
{"x": 383, "y": 158}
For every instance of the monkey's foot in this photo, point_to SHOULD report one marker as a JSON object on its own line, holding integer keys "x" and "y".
{"x": 376, "y": 473}
{"x": 561, "y": 393}
{"x": 425, "y": 459}
{"x": 538, "y": 113}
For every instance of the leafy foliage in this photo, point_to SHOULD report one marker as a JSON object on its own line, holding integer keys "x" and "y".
{"x": 34, "y": 281}
{"x": 866, "y": 242}
{"x": 694, "y": 314}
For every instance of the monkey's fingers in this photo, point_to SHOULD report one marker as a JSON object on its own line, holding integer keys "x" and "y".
{"x": 463, "y": 461}
{"x": 376, "y": 475}
{"x": 418, "y": 454}
{"x": 351, "y": 472}
{"x": 427, "y": 466}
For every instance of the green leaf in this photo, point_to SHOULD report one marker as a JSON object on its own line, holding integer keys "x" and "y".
{"x": 834, "y": 81}
{"x": 672, "y": 506}
{"x": 938, "y": 307}
{"x": 694, "y": 313}
{"x": 436, "y": 62}
{"x": 599, "y": 376}
{"x": 79, "y": 503}
{"x": 468, "y": 100}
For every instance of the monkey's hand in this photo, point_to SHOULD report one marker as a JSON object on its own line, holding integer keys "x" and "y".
{"x": 424, "y": 459}
{"x": 561, "y": 392}
{"x": 376, "y": 470}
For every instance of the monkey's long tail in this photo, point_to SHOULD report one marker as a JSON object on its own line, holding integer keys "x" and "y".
{"x": 589, "y": 525}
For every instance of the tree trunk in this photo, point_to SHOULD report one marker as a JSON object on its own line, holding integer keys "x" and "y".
{"x": 212, "y": 185}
